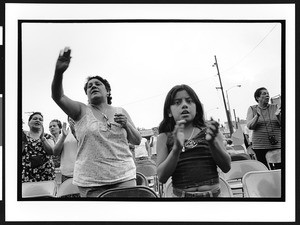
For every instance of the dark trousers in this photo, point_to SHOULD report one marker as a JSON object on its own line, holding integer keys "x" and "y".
{"x": 261, "y": 156}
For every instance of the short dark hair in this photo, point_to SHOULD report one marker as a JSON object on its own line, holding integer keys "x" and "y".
{"x": 106, "y": 84}
{"x": 58, "y": 123}
{"x": 168, "y": 123}
{"x": 35, "y": 113}
{"x": 257, "y": 93}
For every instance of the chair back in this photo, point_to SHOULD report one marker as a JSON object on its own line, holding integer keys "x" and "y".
{"x": 154, "y": 157}
{"x": 239, "y": 148}
{"x": 141, "y": 179}
{"x": 67, "y": 188}
{"x": 168, "y": 189}
{"x": 262, "y": 184}
{"x": 273, "y": 156}
{"x": 225, "y": 188}
{"x": 251, "y": 153}
{"x": 44, "y": 189}
{"x": 239, "y": 168}
{"x": 149, "y": 170}
{"x": 129, "y": 192}
{"x": 239, "y": 156}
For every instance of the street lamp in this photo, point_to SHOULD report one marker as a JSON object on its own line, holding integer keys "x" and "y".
{"x": 228, "y": 98}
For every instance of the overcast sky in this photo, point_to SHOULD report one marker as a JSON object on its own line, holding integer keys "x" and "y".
{"x": 143, "y": 61}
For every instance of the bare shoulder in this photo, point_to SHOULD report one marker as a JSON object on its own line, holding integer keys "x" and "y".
{"x": 162, "y": 138}
{"x": 81, "y": 112}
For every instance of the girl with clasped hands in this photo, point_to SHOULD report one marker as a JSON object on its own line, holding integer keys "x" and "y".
{"x": 188, "y": 148}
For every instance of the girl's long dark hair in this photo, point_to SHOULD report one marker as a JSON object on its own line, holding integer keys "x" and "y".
{"x": 168, "y": 123}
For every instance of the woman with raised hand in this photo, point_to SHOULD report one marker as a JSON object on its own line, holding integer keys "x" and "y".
{"x": 66, "y": 150}
{"x": 104, "y": 132}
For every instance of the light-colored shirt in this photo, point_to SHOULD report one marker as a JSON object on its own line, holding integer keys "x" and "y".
{"x": 103, "y": 155}
{"x": 153, "y": 145}
{"x": 141, "y": 149}
{"x": 68, "y": 155}
{"x": 267, "y": 125}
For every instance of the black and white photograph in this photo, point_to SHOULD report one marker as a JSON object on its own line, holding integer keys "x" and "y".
{"x": 150, "y": 108}
{"x": 1, "y": 137}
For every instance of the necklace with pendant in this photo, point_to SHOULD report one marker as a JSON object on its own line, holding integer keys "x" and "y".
{"x": 183, "y": 149}
{"x": 104, "y": 116}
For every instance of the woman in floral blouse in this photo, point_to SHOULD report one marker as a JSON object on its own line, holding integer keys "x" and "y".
{"x": 37, "y": 148}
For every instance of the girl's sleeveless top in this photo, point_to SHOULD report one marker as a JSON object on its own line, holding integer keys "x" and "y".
{"x": 195, "y": 164}
{"x": 103, "y": 156}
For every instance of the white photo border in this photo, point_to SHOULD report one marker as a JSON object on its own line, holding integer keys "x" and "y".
{"x": 136, "y": 211}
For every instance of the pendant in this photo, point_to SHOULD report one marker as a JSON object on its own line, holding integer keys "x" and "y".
{"x": 191, "y": 144}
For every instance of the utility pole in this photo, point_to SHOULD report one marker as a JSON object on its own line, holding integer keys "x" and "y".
{"x": 225, "y": 105}
{"x": 236, "y": 121}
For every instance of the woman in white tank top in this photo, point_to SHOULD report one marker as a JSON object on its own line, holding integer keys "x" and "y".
{"x": 104, "y": 132}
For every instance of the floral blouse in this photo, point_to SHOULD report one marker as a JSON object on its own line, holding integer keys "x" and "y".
{"x": 37, "y": 165}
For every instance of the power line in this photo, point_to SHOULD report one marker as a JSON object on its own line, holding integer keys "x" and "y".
{"x": 161, "y": 94}
{"x": 155, "y": 96}
{"x": 242, "y": 59}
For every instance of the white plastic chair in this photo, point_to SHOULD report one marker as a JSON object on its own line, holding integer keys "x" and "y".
{"x": 272, "y": 157}
{"x": 225, "y": 189}
{"x": 67, "y": 188}
{"x": 168, "y": 189}
{"x": 43, "y": 189}
{"x": 141, "y": 179}
{"x": 129, "y": 192}
{"x": 149, "y": 170}
{"x": 239, "y": 148}
{"x": 238, "y": 170}
{"x": 262, "y": 184}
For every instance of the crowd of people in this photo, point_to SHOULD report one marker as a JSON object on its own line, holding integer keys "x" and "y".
{"x": 101, "y": 146}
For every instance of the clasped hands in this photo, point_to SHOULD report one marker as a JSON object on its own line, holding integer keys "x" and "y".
{"x": 120, "y": 119}
{"x": 212, "y": 130}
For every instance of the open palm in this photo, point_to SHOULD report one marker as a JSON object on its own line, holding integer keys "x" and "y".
{"x": 63, "y": 60}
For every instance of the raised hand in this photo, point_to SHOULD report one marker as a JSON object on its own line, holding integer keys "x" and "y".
{"x": 178, "y": 134}
{"x": 63, "y": 60}
{"x": 42, "y": 133}
{"x": 212, "y": 130}
{"x": 258, "y": 111}
{"x": 64, "y": 130}
{"x": 121, "y": 119}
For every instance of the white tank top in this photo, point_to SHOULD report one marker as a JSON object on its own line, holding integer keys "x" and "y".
{"x": 103, "y": 155}
{"x": 68, "y": 155}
